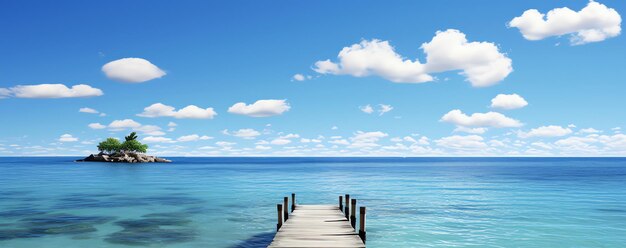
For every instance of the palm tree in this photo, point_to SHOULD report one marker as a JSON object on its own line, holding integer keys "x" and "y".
{"x": 131, "y": 136}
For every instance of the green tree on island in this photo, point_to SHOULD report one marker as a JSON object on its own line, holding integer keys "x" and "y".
{"x": 134, "y": 146}
{"x": 110, "y": 145}
{"x": 131, "y": 144}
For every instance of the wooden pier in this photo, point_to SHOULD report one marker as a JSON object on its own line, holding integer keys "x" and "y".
{"x": 319, "y": 225}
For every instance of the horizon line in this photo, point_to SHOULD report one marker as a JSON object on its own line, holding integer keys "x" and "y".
{"x": 179, "y": 156}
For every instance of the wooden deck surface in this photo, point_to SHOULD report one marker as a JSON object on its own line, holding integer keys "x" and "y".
{"x": 316, "y": 226}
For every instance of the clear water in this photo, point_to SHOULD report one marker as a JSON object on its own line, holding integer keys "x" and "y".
{"x": 231, "y": 202}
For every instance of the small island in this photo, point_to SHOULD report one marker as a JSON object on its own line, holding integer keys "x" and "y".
{"x": 130, "y": 151}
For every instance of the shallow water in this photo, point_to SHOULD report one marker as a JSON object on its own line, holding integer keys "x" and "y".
{"x": 231, "y": 202}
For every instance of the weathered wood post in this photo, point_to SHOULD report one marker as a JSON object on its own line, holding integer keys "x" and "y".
{"x": 340, "y": 203}
{"x": 293, "y": 201}
{"x": 362, "y": 224}
{"x": 279, "y": 207}
{"x": 353, "y": 213}
{"x": 346, "y": 211}
{"x": 286, "y": 208}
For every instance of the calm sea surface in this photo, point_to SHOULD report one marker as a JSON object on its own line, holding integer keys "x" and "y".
{"x": 231, "y": 202}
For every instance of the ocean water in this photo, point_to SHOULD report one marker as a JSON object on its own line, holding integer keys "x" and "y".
{"x": 231, "y": 202}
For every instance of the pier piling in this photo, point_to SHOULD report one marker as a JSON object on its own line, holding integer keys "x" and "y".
{"x": 279, "y": 207}
{"x": 362, "y": 232}
{"x": 353, "y": 213}
{"x": 286, "y": 208}
{"x": 346, "y": 211}
{"x": 340, "y": 203}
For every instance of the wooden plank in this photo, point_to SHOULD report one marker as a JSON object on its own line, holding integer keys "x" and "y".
{"x": 316, "y": 226}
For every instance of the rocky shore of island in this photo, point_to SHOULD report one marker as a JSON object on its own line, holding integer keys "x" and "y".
{"x": 124, "y": 157}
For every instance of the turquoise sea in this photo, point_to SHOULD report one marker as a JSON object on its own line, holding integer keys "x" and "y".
{"x": 231, "y": 202}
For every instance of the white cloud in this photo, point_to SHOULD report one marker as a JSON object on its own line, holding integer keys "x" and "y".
{"x": 301, "y": 77}
{"x": 149, "y": 130}
{"x": 366, "y": 139}
{"x": 457, "y": 142}
{"x": 416, "y": 146}
{"x": 339, "y": 142}
{"x": 171, "y": 126}
{"x": 67, "y": 138}
{"x": 593, "y": 144}
{"x": 96, "y": 126}
{"x": 374, "y": 57}
{"x": 290, "y": 136}
{"x": 512, "y": 101}
{"x": 88, "y": 110}
{"x": 545, "y": 131}
{"x": 542, "y": 145}
{"x": 409, "y": 139}
{"x": 193, "y": 137}
{"x": 334, "y": 128}
{"x": 489, "y": 119}
{"x": 615, "y": 142}
{"x": 577, "y": 144}
{"x": 480, "y": 62}
{"x": 118, "y": 125}
{"x": 477, "y": 130}
{"x": 260, "y": 147}
{"x": 449, "y": 50}
{"x": 91, "y": 111}
{"x": 589, "y": 130}
{"x": 189, "y": 112}
{"x": 285, "y": 139}
{"x": 225, "y": 143}
{"x": 245, "y": 133}
{"x": 304, "y": 140}
{"x": 423, "y": 141}
{"x": 496, "y": 143}
{"x": 396, "y": 147}
{"x": 50, "y": 91}
{"x": 595, "y": 22}
{"x": 367, "y": 109}
{"x": 4, "y": 93}
{"x": 153, "y": 139}
{"x": 384, "y": 108}
{"x": 261, "y": 108}
{"x": 132, "y": 70}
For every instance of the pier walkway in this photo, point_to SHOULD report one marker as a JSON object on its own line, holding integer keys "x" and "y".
{"x": 319, "y": 225}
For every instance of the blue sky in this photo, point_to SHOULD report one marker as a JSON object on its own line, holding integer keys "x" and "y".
{"x": 216, "y": 54}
